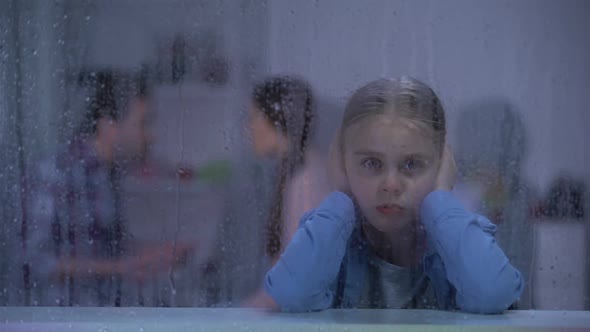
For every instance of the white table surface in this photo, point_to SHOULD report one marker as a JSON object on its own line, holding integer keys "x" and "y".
{"x": 200, "y": 319}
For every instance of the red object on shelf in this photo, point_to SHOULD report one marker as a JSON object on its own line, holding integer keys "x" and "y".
{"x": 185, "y": 173}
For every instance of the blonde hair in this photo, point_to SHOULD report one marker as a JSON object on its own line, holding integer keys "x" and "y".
{"x": 406, "y": 97}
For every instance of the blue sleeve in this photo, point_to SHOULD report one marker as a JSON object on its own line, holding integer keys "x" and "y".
{"x": 475, "y": 265}
{"x": 301, "y": 280}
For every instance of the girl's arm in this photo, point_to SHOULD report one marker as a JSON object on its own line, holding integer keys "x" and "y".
{"x": 475, "y": 265}
{"x": 302, "y": 278}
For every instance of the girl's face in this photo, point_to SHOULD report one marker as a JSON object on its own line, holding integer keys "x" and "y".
{"x": 266, "y": 138}
{"x": 391, "y": 164}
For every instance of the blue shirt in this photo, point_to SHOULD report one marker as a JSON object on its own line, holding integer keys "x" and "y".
{"x": 325, "y": 264}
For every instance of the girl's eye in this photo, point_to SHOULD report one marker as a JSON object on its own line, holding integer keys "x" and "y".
{"x": 372, "y": 163}
{"x": 411, "y": 165}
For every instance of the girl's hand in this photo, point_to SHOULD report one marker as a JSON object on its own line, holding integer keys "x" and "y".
{"x": 447, "y": 172}
{"x": 336, "y": 170}
{"x": 260, "y": 300}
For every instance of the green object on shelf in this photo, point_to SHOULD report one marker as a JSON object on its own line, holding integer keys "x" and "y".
{"x": 214, "y": 172}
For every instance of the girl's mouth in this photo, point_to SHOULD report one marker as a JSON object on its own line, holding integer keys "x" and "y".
{"x": 390, "y": 210}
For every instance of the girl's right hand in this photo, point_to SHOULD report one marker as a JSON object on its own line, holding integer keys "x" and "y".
{"x": 260, "y": 300}
{"x": 336, "y": 169}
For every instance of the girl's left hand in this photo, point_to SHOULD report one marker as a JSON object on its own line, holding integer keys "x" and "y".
{"x": 447, "y": 172}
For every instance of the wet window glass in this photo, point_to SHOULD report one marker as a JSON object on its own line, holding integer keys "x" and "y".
{"x": 225, "y": 154}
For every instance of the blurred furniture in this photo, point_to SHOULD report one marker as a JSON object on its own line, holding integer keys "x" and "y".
{"x": 560, "y": 280}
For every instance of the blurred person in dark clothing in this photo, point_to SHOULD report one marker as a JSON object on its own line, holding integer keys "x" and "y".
{"x": 76, "y": 246}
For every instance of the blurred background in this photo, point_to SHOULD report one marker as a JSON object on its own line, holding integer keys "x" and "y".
{"x": 513, "y": 77}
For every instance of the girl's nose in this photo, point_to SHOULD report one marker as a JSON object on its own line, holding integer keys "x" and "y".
{"x": 392, "y": 183}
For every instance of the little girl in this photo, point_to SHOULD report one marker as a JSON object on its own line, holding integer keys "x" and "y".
{"x": 393, "y": 235}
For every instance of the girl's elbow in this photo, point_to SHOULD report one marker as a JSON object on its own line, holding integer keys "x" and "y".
{"x": 491, "y": 303}
{"x": 298, "y": 303}
{"x": 508, "y": 291}
{"x": 493, "y": 300}
{"x": 301, "y": 307}
{"x": 295, "y": 299}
